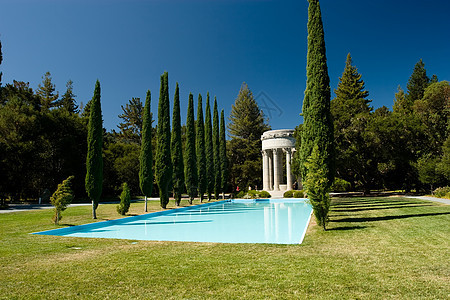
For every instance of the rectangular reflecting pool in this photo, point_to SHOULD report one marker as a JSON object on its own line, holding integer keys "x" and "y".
{"x": 274, "y": 221}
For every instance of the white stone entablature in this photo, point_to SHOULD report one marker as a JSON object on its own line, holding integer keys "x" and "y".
{"x": 275, "y": 143}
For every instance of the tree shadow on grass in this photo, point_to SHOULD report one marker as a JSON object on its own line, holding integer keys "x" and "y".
{"x": 386, "y": 218}
{"x": 376, "y": 207}
{"x": 343, "y": 228}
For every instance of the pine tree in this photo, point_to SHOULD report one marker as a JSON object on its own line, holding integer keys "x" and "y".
{"x": 247, "y": 124}
{"x": 348, "y": 108}
{"x": 223, "y": 156}
{"x": 200, "y": 149}
{"x": 125, "y": 199}
{"x": 210, "y": 178}
{"x": 216, "y": 151}
{"x": 146, "y": 155}
{"x": 131, "y": 126}
{"x": 177, "y": 151}
{"x": 94, "y": 159}
{"x": 61, "y": 198}
{"x": 318, "y": 124}
{"x": 190, "y": 157}
{"x": 401, "y": 105}
{"x": 67, "y": 101}
{"x": 46, "y": 92}
{"x": 417, "y": 83}
{"x": 163, "y": 166}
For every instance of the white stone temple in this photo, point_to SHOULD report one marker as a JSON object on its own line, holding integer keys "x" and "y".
{"x": 275, "y": 144}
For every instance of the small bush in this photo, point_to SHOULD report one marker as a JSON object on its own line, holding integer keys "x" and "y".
{"x": 253, "y": 194}
{"x": 288, "y": 194}
{"x": 61, "y": 198}
{"x": 264, "y": 194}
{"x": 442, "y": 192}
{"x": 299, "y": 194}
{"x": 340, "y": 185}
{"x": 241, "y": 194}
{"x": 125, "y": 199}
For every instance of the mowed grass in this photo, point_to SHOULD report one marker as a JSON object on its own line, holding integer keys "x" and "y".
{"x": 376, "y": 248}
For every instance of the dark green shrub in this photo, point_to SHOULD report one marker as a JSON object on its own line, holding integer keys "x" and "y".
{"x": 264, "y": 194}
{"x": 442, "y": 192}
{"x": 299, "y": 194}
{"x": 288, "y": 194}
{"x": 253, "y": 194}
{"x": 125, "y": 199}
{"x": 340, "y": 185}
{"x": 241, "y": 194}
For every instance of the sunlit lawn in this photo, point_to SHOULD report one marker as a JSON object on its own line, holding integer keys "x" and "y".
{"x": 376, "y": 248}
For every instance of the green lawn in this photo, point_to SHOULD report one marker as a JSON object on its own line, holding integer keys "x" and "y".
{"x": 376, "y": 248}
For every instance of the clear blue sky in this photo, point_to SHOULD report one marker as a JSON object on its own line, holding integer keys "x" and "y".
{"x": 214, "y": 46}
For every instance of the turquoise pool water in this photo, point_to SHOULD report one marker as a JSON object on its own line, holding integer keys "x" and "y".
{"x": 278, "y": 221}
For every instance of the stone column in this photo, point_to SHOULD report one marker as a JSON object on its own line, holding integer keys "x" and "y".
{"x": 276, "y": 170}
{"x": 270, "y": 157}
{"x": 288, "y": 169}
{"x": 265, "y": 170}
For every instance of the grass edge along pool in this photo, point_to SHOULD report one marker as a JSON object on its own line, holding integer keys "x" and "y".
{"x": 272, "y": 221}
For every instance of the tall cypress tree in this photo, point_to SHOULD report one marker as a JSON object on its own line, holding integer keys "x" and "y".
{"x": 177, "y": 151}
{"x": 146, "y": 156}
{"x": 163, "y": 165}
{"x": 318, "y": 124}
{"x": 1, "y": 59}
{"x": 94, "y": 159}
{"x": 216, "y": 150}
{"x": 190, "y": 158}
{"x": 223, "y": 156}
{"x": 210, "y": 178}
{"x": 200, "y": 141}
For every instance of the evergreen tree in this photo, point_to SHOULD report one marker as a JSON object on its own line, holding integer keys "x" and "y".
{"x": 247, "y": 124}
{"x": 67, "y": 101}
{"x": 146, "y": 155}
{"x": 210, "y": 178}
{"x": 131, "y": 126}
{"x": 125, "y": 199}
{"x": 216, "y": 151}
{"x": 223, "y": 156}
{"x": 349, "y": 109}
{"x": 190, "y": 157}
{"x": 401, "y": 105}
{"x": 163, "y": 165}
{"x": 46, "y": 92}
{"x": 61, "y": 198}
{"x": 94, "y": 159}
{"x": 200, "y": 149}
{"x": 318, "y": 125}
{"x": 177, "y": 151}
{"x": 417, "y": 83}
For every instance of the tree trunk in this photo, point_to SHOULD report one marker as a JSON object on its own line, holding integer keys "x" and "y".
{"x": 145, "y": 204}
{"x": 94, "y": 213}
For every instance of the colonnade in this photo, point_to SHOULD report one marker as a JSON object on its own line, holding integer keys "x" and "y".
{"x": 273, "y": 169}
{"x": 275, "y": 144}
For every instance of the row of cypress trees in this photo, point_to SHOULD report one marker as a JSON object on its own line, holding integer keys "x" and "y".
{"x": 203, "y": 167}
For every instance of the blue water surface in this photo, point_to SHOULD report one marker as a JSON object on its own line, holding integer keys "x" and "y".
{"x": 277, "y": 221}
